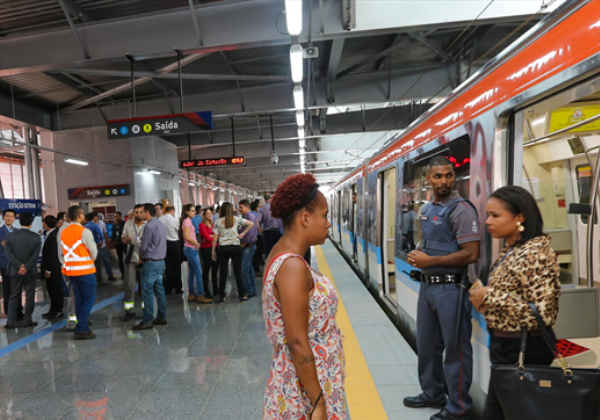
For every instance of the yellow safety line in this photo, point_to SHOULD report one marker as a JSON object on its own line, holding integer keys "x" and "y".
{"x": 363, "y": 399}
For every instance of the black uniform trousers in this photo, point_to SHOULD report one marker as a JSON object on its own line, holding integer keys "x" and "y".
{"x": 209, "y": 268}
{"x": 506, "y": 351}
{"x": 173, "y": 267}
{"x": 121, "y": 248}
{"x": 56, "y": 293}
{"x": 224, "y": 253}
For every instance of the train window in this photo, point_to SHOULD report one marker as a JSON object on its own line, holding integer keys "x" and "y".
{"x": 416, "y": 192}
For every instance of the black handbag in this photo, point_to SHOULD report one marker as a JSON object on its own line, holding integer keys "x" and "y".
{"x": 530, "y": 392}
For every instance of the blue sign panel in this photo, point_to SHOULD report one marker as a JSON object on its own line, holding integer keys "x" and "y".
{"x": 22, "y": 206}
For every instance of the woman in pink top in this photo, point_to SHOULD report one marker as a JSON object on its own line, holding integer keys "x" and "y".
{"x": 191, "y": 246}
{"x": 206, "y": 236}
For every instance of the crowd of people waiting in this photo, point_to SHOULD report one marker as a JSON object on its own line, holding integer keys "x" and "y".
{"x": 150, "y": 246}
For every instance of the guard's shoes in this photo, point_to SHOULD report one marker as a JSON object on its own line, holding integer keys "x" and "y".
{"x": 129, "y": 316}
{"x": 446, "y": 415}
{"x": 420, "y": 402}
{"x": 158, "y": 321}
{"x": 88, "y": 335}
{"x": 56, "y": 315}
{"x": 142, "y": 326}
{"x": 31, "y": 324}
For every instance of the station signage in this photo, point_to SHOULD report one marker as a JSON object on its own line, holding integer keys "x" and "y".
{"x": 160, "y": 125}
{"x": 99, "y": 192}
{"x": 21, "y": 206}
{"x": 204, "y": 163}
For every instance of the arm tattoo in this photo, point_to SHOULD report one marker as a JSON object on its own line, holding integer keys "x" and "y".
{"x": 307, "y": 359}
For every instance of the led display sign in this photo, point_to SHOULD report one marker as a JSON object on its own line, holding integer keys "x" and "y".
{"x": 203, "y": 163}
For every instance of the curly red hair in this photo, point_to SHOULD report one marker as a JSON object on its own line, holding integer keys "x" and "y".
{"x": 290, "y": 194}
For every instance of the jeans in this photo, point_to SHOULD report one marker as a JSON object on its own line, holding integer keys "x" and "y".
{"x": 105, "y": 256}
{"x": 248, "y": 269}
{"x": 224, "y": 253}
{"x": 194, "y": 271}
{"x": 84, "y": 288}
{"x": 152, "y": 275}
{"x": 209, "y": 267}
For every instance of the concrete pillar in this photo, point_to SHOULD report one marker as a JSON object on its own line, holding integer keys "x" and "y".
{"x": 48, "y": 162}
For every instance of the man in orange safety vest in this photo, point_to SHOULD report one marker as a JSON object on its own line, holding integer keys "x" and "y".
{"x": 78, "y": 254}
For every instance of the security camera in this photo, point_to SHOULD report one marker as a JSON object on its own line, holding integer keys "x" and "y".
{"x": 274, "y": 158}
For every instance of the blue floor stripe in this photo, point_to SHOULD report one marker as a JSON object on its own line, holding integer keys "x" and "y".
{"x": 54, "y": 327}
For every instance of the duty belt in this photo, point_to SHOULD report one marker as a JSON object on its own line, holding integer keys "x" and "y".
{"x": 447, "y": 278}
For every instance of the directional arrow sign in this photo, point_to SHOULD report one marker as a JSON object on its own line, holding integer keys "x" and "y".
{"x": 160, "y": 125}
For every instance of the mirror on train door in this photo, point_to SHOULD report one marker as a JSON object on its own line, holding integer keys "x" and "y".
{"x": 388, "y": 232}
{"x": 559, "y": 167}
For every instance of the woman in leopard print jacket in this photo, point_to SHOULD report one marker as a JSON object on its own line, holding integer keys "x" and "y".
{"x": 526, "y": 271}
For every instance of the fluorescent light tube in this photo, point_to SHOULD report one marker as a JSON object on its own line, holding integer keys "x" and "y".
{"x": 299, "y": 97}
{"x": 301, "y": 133}
{"x": 297, "y": 63}
{"x": 302, "y": 143}
{"x": 300, "y": 118}
{"x": 153, "y": 172}
{"x": 77, "y": 162}
{"x": 293, "y": 16}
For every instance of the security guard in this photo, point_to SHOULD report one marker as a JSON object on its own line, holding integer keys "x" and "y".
{"x": 450, "y": 242}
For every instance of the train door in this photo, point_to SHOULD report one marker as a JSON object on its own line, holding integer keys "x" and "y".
{"x": 338, "y": 216}
{"x": 559, "y": 166}
{"x": 346, "y": 233}
{"x": 361, "y": 218}
{"x": 388, "y": 233}
{"x": 354, "y": 223}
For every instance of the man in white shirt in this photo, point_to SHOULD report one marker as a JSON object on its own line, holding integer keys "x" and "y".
{"x": 173, "y": 260}
{"x": 104, "y": 252}
{"x": 132, "y": 236}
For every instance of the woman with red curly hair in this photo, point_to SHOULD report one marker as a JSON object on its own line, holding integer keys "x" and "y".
{"x": 299, "y": 307}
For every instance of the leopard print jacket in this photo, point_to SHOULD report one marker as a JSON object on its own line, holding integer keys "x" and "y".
{"x": 528, "y": 273}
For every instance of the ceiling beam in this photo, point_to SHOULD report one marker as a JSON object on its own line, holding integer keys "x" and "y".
{"x": 149, "y": 36}
{"x": 420, "y": 37}
{"x": 167, "y": 69}
{"x": 76, "y": 11}
{"x": 335, "y": 55}
{"x": 173, "y": 76}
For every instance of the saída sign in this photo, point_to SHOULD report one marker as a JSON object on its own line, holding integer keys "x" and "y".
{"x": 160, "y": 125}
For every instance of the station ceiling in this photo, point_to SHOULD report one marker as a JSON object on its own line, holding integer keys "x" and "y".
{"x": 64, "y": 65}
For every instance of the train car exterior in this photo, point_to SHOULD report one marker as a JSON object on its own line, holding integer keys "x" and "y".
{"x": 484, "y": 128}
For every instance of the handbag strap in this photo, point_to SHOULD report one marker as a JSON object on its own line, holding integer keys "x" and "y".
{"x": 549, "y": 337}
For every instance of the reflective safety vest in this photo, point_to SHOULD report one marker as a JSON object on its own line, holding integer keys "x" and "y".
{"x": 78, "y": 261}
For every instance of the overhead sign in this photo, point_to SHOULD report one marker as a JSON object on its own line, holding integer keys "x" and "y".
{"x": 566, "y": 117}
{"x": 160, "y": 125}
{"x": 98, "y": 192}
{"x": 21, "y": 206}
{"x": 201, "y": 163}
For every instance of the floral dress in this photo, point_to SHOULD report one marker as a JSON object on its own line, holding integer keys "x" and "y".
{"x": 285, "y": 398}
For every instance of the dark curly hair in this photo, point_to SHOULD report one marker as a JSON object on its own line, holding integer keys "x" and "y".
{"x": 290, "y": 194}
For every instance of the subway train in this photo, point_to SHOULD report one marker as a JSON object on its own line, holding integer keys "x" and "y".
{"x": 529, "y": 117}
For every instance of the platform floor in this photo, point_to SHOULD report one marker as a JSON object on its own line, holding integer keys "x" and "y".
{"x": 209, "y": 362}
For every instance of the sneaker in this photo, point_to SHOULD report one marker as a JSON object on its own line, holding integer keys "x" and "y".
{"x": 192, "y": 298}
{"x": 158, "y": 321}
{"x": 88, "y": 335}
{"x": 202, "y": 299}
{"x": 142, "y": 326}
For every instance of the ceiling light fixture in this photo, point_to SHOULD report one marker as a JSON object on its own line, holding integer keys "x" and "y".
{"x": 300, "y": 118}
{"x": 299, "y": 97}
{"x": 153, "y": 172}
{"x": 302, "y": 143}
{"x": 293, "y": 16}
{"x": 77, "y": 162}
{"x": 297, "y": 62}
{"x": 301, "y": 133}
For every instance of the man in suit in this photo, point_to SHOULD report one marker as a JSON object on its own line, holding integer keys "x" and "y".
{"x": 8, "y": 216}
{"x": 51, "y": 270}
{"x": 22, "y": 250}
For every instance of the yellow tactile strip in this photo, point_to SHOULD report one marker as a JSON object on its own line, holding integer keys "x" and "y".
{"x": 363, "y": 399}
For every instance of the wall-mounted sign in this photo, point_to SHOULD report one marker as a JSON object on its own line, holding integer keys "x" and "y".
{"x": 21, "y": 206}
{"x": 202, "y": 163}
{"x": 160, "y": 125}
{"x": 99, "y": 192}
{"x": 565, "y": 117}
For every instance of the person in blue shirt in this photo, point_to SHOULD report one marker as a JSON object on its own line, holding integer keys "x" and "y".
{"x": 8, "y": 216}
{"x": 92, "y": 220}
{"x": 196, "y": 220}
{"x": 258, "y": 254}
